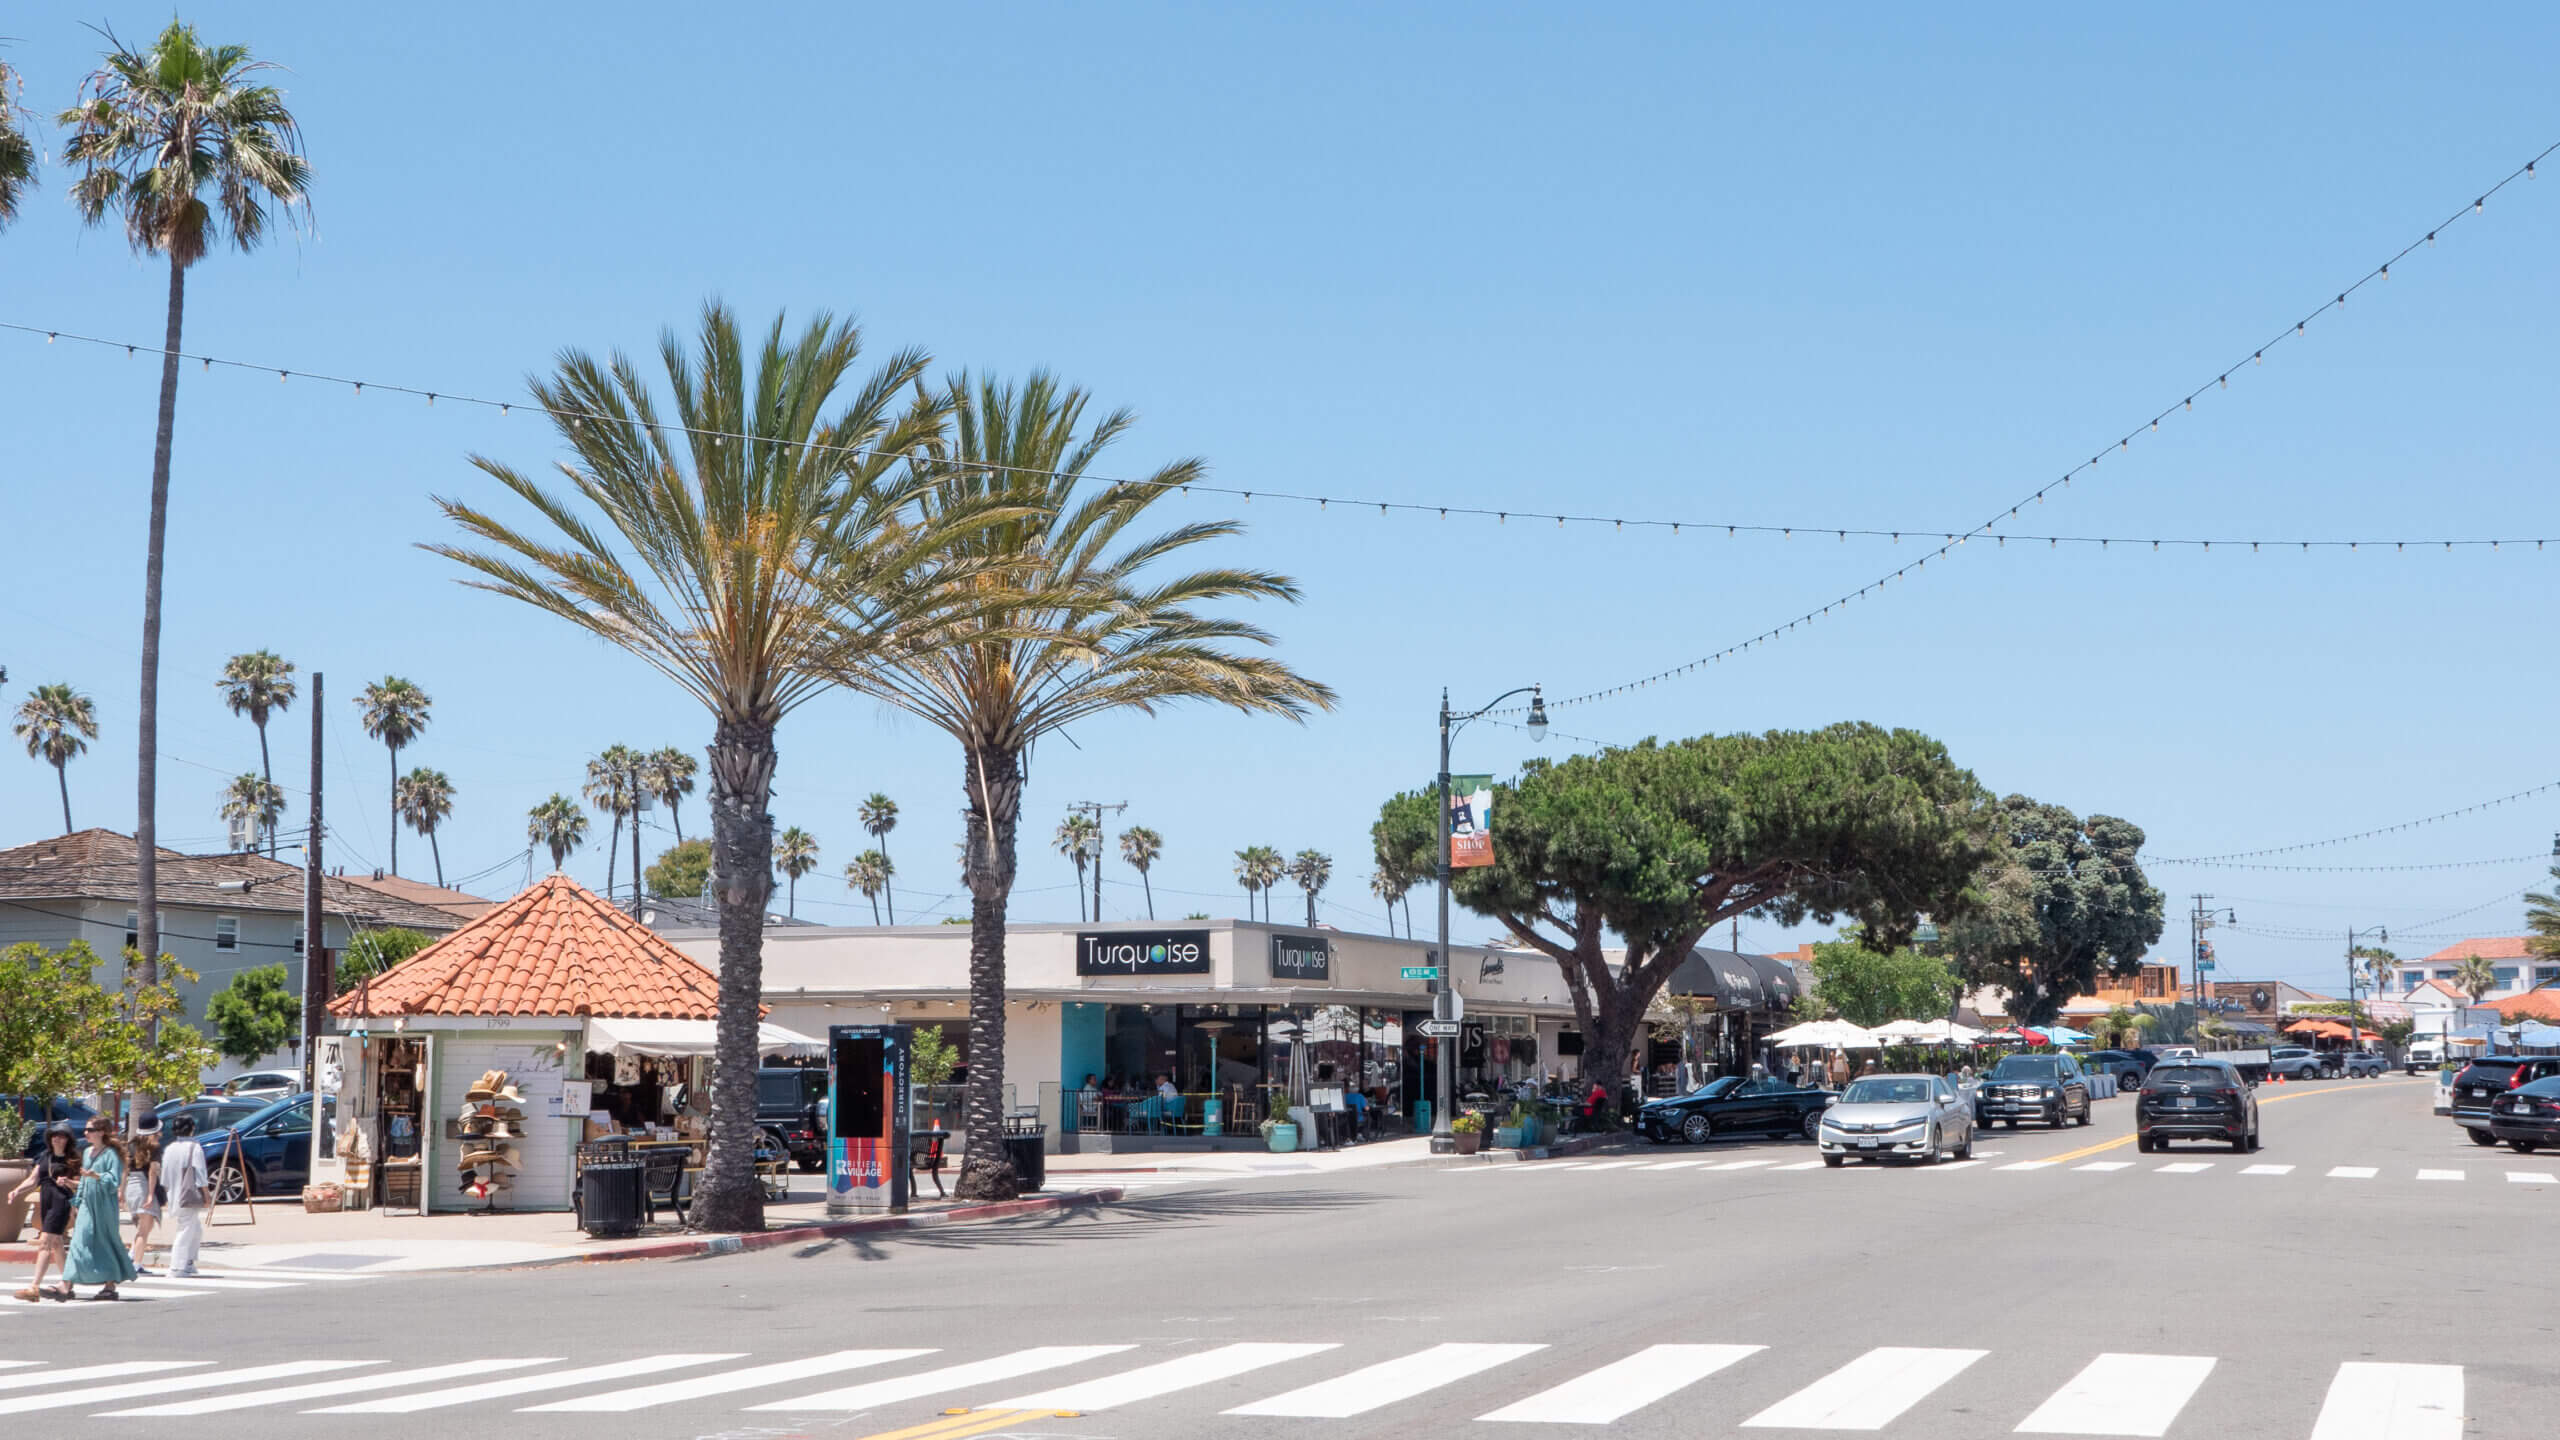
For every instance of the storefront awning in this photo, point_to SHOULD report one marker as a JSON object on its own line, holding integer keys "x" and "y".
{"x": 669, "y": 1038}
{"x": 1724, "y": 976}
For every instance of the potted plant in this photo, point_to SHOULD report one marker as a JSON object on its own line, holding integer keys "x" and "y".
{"x": 1470, "y": 1132}
{"x": 1280, "y": 1135}
{"x": 1513, "y": 1132}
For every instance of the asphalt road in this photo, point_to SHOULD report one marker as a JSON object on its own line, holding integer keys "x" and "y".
{"x": 2403, "y": 1297}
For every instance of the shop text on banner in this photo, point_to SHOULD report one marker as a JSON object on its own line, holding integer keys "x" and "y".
{"x": 1470, "y": 821}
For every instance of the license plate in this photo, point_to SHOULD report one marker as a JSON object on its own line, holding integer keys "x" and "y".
{"x": 2186, "y": 1102}
{"x": 1866, "y": 1144}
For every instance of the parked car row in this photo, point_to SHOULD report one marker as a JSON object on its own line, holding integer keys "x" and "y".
{"x": 2487, "y": 1095}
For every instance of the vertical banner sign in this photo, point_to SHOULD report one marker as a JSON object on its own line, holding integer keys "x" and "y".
{"x": 867, "y": 1117}
{"x": 1470, "y": 821}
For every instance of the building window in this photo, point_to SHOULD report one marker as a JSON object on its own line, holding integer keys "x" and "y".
{"x": 226, "y": 932}
{"x": 2412, "y": 979}
{"x": 2545, "y": 974}
{"x": 2444, "y": 974}
{"x": 132, "y": 929}
{"x": 2506, "y": 976}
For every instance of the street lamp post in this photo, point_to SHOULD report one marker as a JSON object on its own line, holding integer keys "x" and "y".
{"x": 2355, "y": 1030}
{"x": 1444, "y": 994}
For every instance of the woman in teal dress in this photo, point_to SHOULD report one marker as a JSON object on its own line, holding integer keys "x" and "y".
{"x": 97, "y": 1244}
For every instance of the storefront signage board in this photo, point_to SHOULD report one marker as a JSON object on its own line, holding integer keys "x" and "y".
{"x": 1301, "y": 957}
{"x": 1165, "y": 952}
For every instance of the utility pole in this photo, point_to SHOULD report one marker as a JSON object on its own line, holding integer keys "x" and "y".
{"x": 2202, "y": 918}
{"x": 1093, "y": 809}
{"x": 317, "y": 975}
{"x": 639, "y": 802}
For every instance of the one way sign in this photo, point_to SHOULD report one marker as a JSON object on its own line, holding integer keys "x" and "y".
{"x": 1438, "y": 1029}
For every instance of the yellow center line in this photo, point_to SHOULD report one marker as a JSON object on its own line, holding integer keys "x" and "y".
{"x": 971, "y": 1422}
{"x": 2103, "y": 1146}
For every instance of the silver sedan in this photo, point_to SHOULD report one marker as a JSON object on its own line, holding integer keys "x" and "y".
{"x": 1923, "y": 1117}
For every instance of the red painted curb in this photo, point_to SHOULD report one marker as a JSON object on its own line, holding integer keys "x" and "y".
{"x": 17, "y": 1254}
{"x": 845, "y": 1229}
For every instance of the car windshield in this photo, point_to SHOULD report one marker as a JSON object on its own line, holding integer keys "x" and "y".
{"x": 1721, "y": 1085}
{"x": 1886, "y": 1090}
{"x": 2025, "y": 1067}
{"x": 2211, "y": 1077}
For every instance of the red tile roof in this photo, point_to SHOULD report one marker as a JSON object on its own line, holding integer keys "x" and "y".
{"x": 2543, "y": 1005}
{"x": 556, "y": 949}
{"x": 2488, "y": 947}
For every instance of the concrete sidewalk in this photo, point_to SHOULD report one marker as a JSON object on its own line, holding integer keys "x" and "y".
{"x": 1243, "y": 1162}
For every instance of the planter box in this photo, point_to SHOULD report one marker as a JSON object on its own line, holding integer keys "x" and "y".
{"x": 1507, "y": 1137}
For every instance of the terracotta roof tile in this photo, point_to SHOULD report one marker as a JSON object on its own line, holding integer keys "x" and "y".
{"x": 2543, "y": 1005}
{"x": 556, "y": 949}
{"x": 2487, "y": 947}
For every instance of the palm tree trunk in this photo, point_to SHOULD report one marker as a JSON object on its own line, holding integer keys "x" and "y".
{"x": 793, "y": 910}
{"x": 146, "y": 800}
{"x": 395, "y": 810}
{"x": 742, "y": 759}
{"x": 63, "y": 776}
{"x": 875, "y": 912}
{"x": 675, "y": 813}
{"x": 994, "y": 814}
{"x": 267, "y": 770}
{"x": 1150, "y": 884}
{"x": 885, "y": 887}
{"x": 438, "y": 851}
{"x": 612, "y": 854}
{"x": 1311, "y": 909}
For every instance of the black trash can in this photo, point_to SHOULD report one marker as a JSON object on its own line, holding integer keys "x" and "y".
{"x": 609, "y": 1198}
{"x": 1026, "y": 1143}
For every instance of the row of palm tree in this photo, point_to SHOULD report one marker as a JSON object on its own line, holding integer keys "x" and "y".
{"x": 759, "y": 535}
{"x": 1260, "y": 869}
{"x": 622, "y": 781}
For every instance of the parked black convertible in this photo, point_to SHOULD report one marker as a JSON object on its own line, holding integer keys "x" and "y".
{"x": 1731, "y": 1105}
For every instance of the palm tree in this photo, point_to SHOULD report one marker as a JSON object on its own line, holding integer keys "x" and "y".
{"x": 667, "y": 775}
{"x": 57, "y": 722}
{"x": 2542, "y": 919}
{"x": 2475, "y": 976}
{"x": 424, "y": 798}
{"x": 869, "y": 873}
{"x": 254, "y": 801}
{"x": 2380, "y": 966}
{"x": 184, "y": 146}
{"x": 2208, "y": 1026}
{"x": 1269, "y": 869}
{"x": 752, "y": 572}
{"x": 2124, "y": 1025}
{"x": 558, "y": 824}
{"x": 796, "y": 852}
{"x": 259, "y": 684}
{"x": 1140, "y": 846}
{"x": 1066, "y": 622}
{"x": 879, "y": 815}
{"x": 17, "y": 152}
{"x": 1313, "y": 870}
{"x": 1248, "y": 875}
{"x": 608, "y": 788}
{"x": 394, "y": 712}
{"x": 1079, "y": 838}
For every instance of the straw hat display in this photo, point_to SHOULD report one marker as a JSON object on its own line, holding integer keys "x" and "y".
{"x": 490, "y": 1118}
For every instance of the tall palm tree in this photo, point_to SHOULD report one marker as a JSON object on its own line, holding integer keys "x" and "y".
{"x": 558, "y": 825}
{"x": 1248, "y": 875}
{"x": 184, "y": 146}
{"x": 1388, "y": 886}
{"x": 2380, "y": 967}
{"x": 667, "y": 774}
{"x": 869, "y": 873}
{"x": 17, "y": 152}
{"x": 259, "y": 684}
{"x": 2475, "y": 976}
{"x": 1068, "y": 621}
{"x": 1313, "y": 870}
{"x": 1269, "y": 868}
{"x": 1078, "y": 838}
{"x": 879, "y": 815}
{"x": 608, "y": 788}
{"x": 424, "y": 798}
{"x": 394, "y": 712}
{"x": 254, "y": 801}
{"x": 752, "y": 573}
{"x": 2542, "y": 919}
{"x": 1139, "y": 846}
{"x": 57, "y": 722}
{"x": 795, "y": 852}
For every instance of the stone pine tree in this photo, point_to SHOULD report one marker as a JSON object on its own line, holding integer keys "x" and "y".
{"x": 1660, "y": 843}
{"x": 2061, "y": 903}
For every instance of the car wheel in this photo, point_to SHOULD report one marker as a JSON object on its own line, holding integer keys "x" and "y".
{"x": 2524, "y": 1147}
{"x": 2129, "y": 1080}
{"x": 231, "y": 1184}
{"x": 1697, "y": 1129}
{"x": 1934, "y": 1154}
{"x": 2085, "y": 1116}
{"x": 1965, "y": 1150}
{"x": 1812, "y": 1127}
{"x": 2147, "y": 1145}
{"x": 1835, "y": 1161}
{"x": 2482, "y": 1138}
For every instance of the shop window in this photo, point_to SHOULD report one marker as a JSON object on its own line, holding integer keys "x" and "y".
{"x": 2506, "y": 976}
{"x": 132, "y": 930}
{"x": 226, "y": 932}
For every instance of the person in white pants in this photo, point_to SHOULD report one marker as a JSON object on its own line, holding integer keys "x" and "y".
{"x": 189, "y": 1188}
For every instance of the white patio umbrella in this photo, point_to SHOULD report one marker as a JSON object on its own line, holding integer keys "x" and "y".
{"x": 1905, "y": 1031}
{"x": 1828, "y": 1034}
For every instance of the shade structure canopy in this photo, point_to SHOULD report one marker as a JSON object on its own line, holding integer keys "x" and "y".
{"x": 2320, "y": 1027}
{"x": 1828, "y": 1034}
{"x": 1926, "y": 1032}
{"x": 669, "y": 1039}
{"x": 2534, "y": 1035}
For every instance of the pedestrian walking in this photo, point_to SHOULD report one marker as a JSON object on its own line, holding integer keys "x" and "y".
{"x": 188, "y": 1187}
{"x": 142, "y": 1193}
{"x": 56, "y": 1176}
{"x": 96, "y": 1255}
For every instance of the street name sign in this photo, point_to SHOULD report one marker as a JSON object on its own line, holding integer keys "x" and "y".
{"x": 1421, "y": 972}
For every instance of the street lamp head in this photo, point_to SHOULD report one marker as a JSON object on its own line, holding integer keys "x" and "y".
{"x": 1537, "y": 715}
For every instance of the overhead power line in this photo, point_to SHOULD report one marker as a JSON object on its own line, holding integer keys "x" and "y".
{"x": 2543, "y": 788}
{"x": 2221, "y": 380}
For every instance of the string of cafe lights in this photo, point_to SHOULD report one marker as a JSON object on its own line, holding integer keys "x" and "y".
{"x": 1947, "y": 539}
{"x": 2300, "y": 328}
{"x": 2541, "y": 789}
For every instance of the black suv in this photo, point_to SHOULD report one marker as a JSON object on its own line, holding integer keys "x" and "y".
{"x": 2195, "y": 1100}
{"x": 2049, "y": 1088}
{"x": 788, "y": 1100}
{"x": 2485, "y": 1079}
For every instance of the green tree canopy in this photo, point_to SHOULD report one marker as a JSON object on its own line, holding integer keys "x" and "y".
{"x": 255, "y": 1014}
{"x": 1660, "y": 843}
{"x": 681, "y": 870}
{"x": 373, "y": 951}
{"x": 1870, "y": 987}
{"x": 62, "y": 1033}
{"x": 2061, "y": 902}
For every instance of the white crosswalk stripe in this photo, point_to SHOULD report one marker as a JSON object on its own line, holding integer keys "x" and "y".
{"x": 2031, "y": 1165}
{"x": 2121, "y": 1395}
{"x": 1388, "y": 1381}
{"x": 1869, "y": 1392}
{"x": 165, "y": 1287}
{"x": 353, "y": 1385}
{"x": 2440, "y": 1174}
{"x": 2392, "y": 1402}
{"x": 1705, "y": 1169}
{"x": 1676, "y": 1165}
{"x": 1739, "y": 1165}
{"x": 106, "y": 1371}
{"x": 197, "y": 1380}
{"x": 2531, "y": 1177}
{"x": 2268, "y": 1170}
{"x": 1625, "y": 1386}
{"x": 522, "y": 1385}
{"x": 947, "y": 1379}
{"x": 1150, "y": 1381}
{"x": 2187, "y": 1167}
{"x": 2106, "y": 1165}
{"x": 2353, "y": 1172}
{"x": 729, "y": 1381}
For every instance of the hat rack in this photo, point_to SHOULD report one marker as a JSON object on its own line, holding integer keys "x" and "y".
{"x": 486, "y": 1132}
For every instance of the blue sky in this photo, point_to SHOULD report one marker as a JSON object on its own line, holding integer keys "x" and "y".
{"x": 1871, "y": 269}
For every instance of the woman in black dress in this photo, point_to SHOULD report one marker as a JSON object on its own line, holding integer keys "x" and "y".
{"x": 56, "y": 1176}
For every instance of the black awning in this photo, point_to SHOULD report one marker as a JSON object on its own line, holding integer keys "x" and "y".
{"x": 1778, "y": 984}
{"x": 1727, "y": 977}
